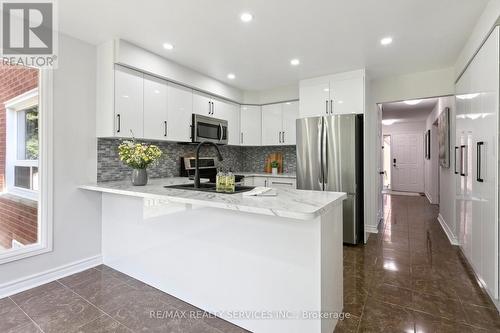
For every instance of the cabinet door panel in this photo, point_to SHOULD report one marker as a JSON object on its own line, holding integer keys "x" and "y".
{"x": 155, "y": 108}
{"x": 290, "y": 115}
{"x": 272, "y": 124}
{"x": 314, "y": 97}
{"x": 251, "y": 125}
{"x": 180, "y": 110}
{"x": 260, "y": 181}
{"x": 230, "y": 112}
{"x": 202, "y": 104}
{"x": 348, "y": 95}
{"x": 282, "y": 182}
{"x": 128, "y": 103}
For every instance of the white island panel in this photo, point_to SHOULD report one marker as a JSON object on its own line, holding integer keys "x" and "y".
{"x": 226, "y": 261}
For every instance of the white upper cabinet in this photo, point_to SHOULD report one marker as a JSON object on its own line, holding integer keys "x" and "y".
{"x": 251, "y": 125}
{"x": 341, "y": 93}
{"x": 155, "y": 108}
{"x": 203, "y": 104}
{"x": 128, "y": 103}
{"x": 290, "y": 116}
{"x": 278, "y": 124}
{"x": 348, "y": 95}
{"x": 272, "y": 124}
{"x": 230, "y": 112}
{"x": 180, "y": 110}
{"x": 315, "y": 97}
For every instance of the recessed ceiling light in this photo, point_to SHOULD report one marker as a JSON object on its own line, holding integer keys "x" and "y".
{"x": 386, "y": 41}
{"x": 341, "y": 102}
{"x": 467, "y": 96}
{"x": 231, "y": 76}
{"x": 295, "y": 62}
{"x": 388, "y": 122}
{"x": 168, "y": 46}
{"x": 413, "y": 101}
{"x": 246, "y": 17}
{"x": 326, "y": 89}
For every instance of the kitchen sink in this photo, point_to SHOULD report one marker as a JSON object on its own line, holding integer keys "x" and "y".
{"x": 210, "y": 187}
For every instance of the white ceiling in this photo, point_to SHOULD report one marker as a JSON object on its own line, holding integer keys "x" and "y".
{"x": 403, "y": 112}
{"x": 328, "y": 36}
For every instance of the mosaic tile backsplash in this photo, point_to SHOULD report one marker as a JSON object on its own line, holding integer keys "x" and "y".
{"x": 243, "y": 159}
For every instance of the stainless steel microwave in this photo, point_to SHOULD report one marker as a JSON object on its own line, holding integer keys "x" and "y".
{"x": 209, "y": 129}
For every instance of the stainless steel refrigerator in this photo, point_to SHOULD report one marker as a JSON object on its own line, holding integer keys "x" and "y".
{"x": 330, "y": 158}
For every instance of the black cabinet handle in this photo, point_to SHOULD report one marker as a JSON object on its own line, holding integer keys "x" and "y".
{"x": 462, "y": 172}
{"x": 209, "y": 107}
{"x": 119, "y": 123}
{"x": 479, "y": 146}
{"x": 455, "y": 161}
{"x": 326, "y": 106}
{"x": 165, "y": 128}
{"x": 331, "y": 106}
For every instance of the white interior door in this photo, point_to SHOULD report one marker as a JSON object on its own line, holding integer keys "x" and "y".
{"x": 407, "y": 162}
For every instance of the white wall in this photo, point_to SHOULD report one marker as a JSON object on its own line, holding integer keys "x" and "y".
{"x": 404, "y": 127}
{"x": 133, "y": 56}
{"x": 446, "y": 175}
{"x": 411, "y": 86}
{"x": 490, "y": 15}
{"x": 77, "y": 231}
{"x": 431, "y": 172}
{"x": 415, "y": 85}
{"x": 279, "y": 94}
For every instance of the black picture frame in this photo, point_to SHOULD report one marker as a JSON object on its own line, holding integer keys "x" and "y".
{"x": 427, "y": 144}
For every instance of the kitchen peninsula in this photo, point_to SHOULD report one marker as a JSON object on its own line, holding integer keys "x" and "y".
{"x": 267, "y": 264}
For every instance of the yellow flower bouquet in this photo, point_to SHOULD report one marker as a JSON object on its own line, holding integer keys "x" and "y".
{"x": 138, "y": 156}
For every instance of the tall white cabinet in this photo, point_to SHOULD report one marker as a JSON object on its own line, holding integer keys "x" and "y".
{"x": 342, "y": 93}
{"x": 476, "y": 162}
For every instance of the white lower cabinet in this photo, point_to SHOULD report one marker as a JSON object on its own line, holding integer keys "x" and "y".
{"x": 283, "y": 182}
{"x": 476, "y": 160}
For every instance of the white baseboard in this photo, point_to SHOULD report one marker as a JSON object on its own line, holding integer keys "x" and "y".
{"x": 427, "y": 195}
{"x": 453, "y": 240}
{"x": 371, "y": 229}
{"x": 35, "y": 280}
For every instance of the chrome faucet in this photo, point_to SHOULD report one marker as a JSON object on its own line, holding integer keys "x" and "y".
{"x": 197, "y": 170}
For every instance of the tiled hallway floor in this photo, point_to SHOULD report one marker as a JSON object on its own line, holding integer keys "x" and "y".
{"x": 408, "y": 278}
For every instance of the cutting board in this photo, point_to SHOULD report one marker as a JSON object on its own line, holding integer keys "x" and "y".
{"x": 273, "y": 157}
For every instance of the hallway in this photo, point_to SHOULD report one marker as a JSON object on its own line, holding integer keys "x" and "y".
{"x": 408, "y": 278}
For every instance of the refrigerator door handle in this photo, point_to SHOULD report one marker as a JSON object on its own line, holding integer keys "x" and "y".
{"x": 324, "y": 154}
{"x": 321, "y": 153}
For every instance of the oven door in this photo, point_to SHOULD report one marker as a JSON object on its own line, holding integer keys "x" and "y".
{"x": 209, "y": 129}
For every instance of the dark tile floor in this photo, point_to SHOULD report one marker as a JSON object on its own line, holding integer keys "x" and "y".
{"x": 408, "y": 278}
{"x": 102, "y": 300}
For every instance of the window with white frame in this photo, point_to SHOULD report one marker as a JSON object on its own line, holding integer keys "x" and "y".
{"x": 22, "y": 177}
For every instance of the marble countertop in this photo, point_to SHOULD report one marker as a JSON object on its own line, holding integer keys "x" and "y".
{"x": 290, "y": 203}
{"x": 263, "y": 174}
